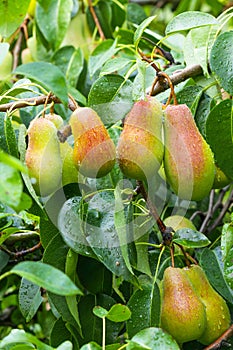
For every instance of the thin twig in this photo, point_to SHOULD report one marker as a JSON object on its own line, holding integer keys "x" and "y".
{"x": 209, "y": 214}
{"x": 96, "y": 20}
{"x": 33, "y": 101}
{"x": 18, "y": 45}
{"x": 225, "y": 208}
{"x": 217, "y": 343}
{"x": 21, "y": 253}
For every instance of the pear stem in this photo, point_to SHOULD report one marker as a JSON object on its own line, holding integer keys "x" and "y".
{"x": 96, "y": 20}
{"x": 165, "y": 231}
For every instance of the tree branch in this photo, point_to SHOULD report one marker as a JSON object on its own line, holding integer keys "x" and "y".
{"x": 176, "y": 78}
{"x": 217, "y": 344}
{"x": 34, "y": 101}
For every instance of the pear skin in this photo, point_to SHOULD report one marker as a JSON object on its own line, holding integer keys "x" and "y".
{"x": 140, "y": 147}
{"x": 217, "y": 312}
{"x": 220, "y": 179}
{"x": 70, "y": 173}
{"x": 94, "y": 151}
{"x": 43, "y": 156}
{"x": 56, "y": 119}
{"x": 188, "y": 159}
{"x": 182, "y": 314}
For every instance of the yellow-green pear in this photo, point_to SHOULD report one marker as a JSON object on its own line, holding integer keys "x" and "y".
{"x": 56, "y": 119}
{"x": 70, "y": 173}
{"x": 43, "y": 157}
{"x": 177, "y": 222}
{"x": 140, "y": 147}
{"x": 6, "y": 66}
{"x": 94, "y": 151}
{"x": 26, "y": 56}
{"x": 217, "y": 312}
{"x": 220, "y": 179}
{"x": 182, "y": 313}
{"x": 188, "y": 160}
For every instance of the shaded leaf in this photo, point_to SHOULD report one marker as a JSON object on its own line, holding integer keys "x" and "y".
{"x": 29, "y": 299}
{"x": 226, "y": 239}
{"x": 140, "y": 29}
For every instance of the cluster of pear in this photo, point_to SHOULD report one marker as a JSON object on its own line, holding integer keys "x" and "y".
{"x": 191, "y": 308}
{"x": 152, "y": 138}
{"x": 53, "y": 164}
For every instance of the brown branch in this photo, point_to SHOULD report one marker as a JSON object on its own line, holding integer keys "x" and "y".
{"x": 21, "y": 253}
{"x": 96, "y": 20}
{"x": 177, "y": 77}
{"x": 217, "y": 344}
{"x": 33, "y": 101}
{"x": 17, "y": 48}
{"x": 209, "y": 214}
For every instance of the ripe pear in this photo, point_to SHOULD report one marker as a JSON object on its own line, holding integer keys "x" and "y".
{"x": 94, "y": 151}
{"x": 140, "y": 147}
{"x": 220, "y": 179}
{"x": 217, "y": 312}
{"x": 43, "y": 157}
{"x": 182, "y": 314}
{"x": 188, "y": 160}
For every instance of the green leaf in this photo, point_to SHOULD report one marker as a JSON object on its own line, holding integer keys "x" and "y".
{"x": 12, "y": 162}
{"x": 152, "y": 339}
{"x": 91, "y": 346}
{"x": 221, "y": 142}
{"x": 221, "y": 62}
{"x": 11, "y": 186}
{"x": 188, "y": 20}
{"x": 140, "y": 29}
{"x": 111, "y": 97}
{"x": 20, "y": 336}
{"x": 190, "y": 238}
{"x": 211, "y": 262}
{"x": 122, "y": 227}
{"x": 46, "y": 276}
{"x": 12, "y": 15}
{"x": 70, "y": 61}
{"x": 118, "y": 313}
{"x": 196, "y": 48}
{"x": 100, "y": 311}
{"x": 29, "y": 299}
{"x": 102, "y": 53}
{"x": 4, "y": 258}
{"x": 92, "y": 325}
{"x": 58, "y": 15}
{"x": 228, "y": 268}
{"x": 145, "y": 308}
{"x": 10, "y": 137}
{"x": 226, "y": 239}
{"x": 115, "y": 64}
{"x": 48, "y": 75}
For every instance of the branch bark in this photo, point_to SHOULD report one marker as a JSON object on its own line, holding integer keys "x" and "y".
{"x": 176, "y": 78}
{"x": 34, "y": 101}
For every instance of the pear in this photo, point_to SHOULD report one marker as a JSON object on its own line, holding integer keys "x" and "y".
{"x": 177, "y": 222}
{"x": 140, "y": 147}
{"x": 188, "y": 159}
{"x": 220, "y": 179}
{"x": 94, "y": 151}
{"x": 43, "y": 157}
{"x": 217, "y": 312}
{"x": 6, "y": 66}
{"x": 70, "y": 173}
{"x": 56, "y": 119}
{"x": 182, "y": 313}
